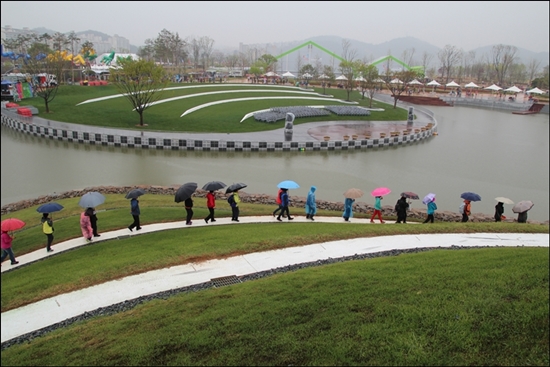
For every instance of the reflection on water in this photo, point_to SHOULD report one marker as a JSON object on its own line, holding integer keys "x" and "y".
{"x": 489, "y": 152}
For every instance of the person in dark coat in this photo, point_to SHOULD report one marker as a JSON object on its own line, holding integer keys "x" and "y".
{"x": 189, "y": 210}
{"x": 134, "y": 210}
{"x": 401, "y": 208}
{"x": 90, "y": 212}
{"x": 499, "y": 210}
{"x": 522, "y": 217}
{"x": 285, "y": 201}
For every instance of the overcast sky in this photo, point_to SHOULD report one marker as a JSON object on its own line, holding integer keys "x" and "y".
{"x": 466, "y": 25}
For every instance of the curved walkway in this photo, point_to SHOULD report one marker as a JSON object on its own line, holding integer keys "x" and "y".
{"x": 43, "y": 314}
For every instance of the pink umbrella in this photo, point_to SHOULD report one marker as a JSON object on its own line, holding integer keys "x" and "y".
{"x": 380, "y": 191}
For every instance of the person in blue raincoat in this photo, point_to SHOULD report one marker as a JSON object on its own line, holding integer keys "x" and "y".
{"x": 311, "y": 205}
{"x": 348, "y": 209}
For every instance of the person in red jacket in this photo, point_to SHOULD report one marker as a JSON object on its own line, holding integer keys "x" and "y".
{"x": 6, "y": 248}
{"x": 210, "y": 204}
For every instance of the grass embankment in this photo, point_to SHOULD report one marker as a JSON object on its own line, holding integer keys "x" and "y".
{"x": 223, "y": 118}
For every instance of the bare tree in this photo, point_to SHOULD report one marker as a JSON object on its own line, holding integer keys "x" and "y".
{"x": 426, "y": 60}
{"x": 72, "y": 38}
{"x": 407, "y": 56}
{"x": 43, "y": 68}
{"x": 348, "y": 66}
{"x": 449, "y": 56}
{"x": 532, "y": 69}
{"x": 502, "y": 57}
{"x": 206, "y": 45}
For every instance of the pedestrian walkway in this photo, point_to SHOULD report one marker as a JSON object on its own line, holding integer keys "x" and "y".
{"x": 54, "y": 310}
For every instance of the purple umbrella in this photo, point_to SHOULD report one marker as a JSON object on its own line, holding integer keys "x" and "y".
{"x": 428, "y": 198}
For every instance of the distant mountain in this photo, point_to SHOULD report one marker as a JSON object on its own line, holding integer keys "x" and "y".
{"x": 523, "y": 56}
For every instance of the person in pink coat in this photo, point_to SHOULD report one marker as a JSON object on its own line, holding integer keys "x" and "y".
{"x": 86, "y": 226}
{"x": 6, "y": 248}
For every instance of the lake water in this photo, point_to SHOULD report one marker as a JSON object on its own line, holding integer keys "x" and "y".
{"x": 493, "y": 153}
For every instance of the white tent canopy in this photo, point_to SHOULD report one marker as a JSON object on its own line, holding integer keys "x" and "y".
{"x": 323, "y": 76}
{"x": 342, "y": 77}
{"x": 416, "y": 82}
{"x": 360, "y": 79}
{"x": 271, "y": 73}
{"x": 452, "y": 84}
{"x": 535, "y": 90}
{"x": 396, "y": 81}
{"x": 433, "y": 82}
{"x": 493, "y": 87}
{"x": 288, "y": 74}
{"x": 307, "y": 76}
{"x": 513, "y": 89}
{"x": 379, "y": 80}
{"x": 471, "y": 85}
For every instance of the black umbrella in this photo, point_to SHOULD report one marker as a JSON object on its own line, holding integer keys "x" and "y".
{"x": 213, "y": 186}
{"x": 185, "y": 191}
{"x": 235, "y": 187}
{"x": 135, "y": 193}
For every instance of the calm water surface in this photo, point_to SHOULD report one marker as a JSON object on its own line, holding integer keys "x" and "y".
{"x": 492, "y": 153}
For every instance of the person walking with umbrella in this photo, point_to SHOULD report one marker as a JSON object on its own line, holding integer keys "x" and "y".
{"x": 466, "y": 210}
{"x": 499, "y": 212}
{"x": 377, "y": 209}
{"x": 210, "y": 204}
{"x": 401, "y": 208}
{"x": 189, "y": 209}
{"x": 86, "y": 224}
{"x": 284, "y": 204}
{"x": 136, "y": 212}
{"x": 47, "y": 228}
{"x": 279, "y": 202}
{"x": 93, "y": 220}
{"x": 431, "y": 209}
{"x": 348, "y": 209}
{"x": 6, "y": 247}
{"x": 311, "y": 204}
{"x": 234, "y": 201}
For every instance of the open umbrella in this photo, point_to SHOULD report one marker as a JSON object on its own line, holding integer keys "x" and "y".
{"x": 12, "y": 224}
{"x": 410, "y": 195}
{"x": 353, "y": 193}
{"x": 380, "y": 191}
{"x": 493, "y": 87}
{"x": 235, "y": 187}
{"x": 428, "y": 198}
{"x": 288, "y": 74}
{"x": 513, "y": 89}
{"x": 504, "y": 200}
{"x": 185, "y": 191}
{"x": 535, "y": 90}
{"x": 288, "y": 184}
{"x": 522, "y": 206}
{"x": 342, "y": 77}
{"x": 472, "y": 196}
{"x": 49, "y": 208}
{"x": 134, "y": 194}
{"x": 452, "y": 84}
{"x": 91, "y": 199}
{"x": 213, "y": 186}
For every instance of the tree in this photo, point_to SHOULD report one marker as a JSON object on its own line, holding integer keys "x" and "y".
{"x": 532, "y": 69}
{"x": 448, "y": 57}
{"x": 72, "y": 38}
{"x": 41, "y": 65}
{"x": 347, "y": 66}
{"x": 369, "y": 72}
{"x": 502, "y": 57}
{"x": 399, "y": 86}
{"x": 141, "y": 82}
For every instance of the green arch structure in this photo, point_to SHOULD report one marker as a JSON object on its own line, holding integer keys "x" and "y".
{"x": 418, "y": 69}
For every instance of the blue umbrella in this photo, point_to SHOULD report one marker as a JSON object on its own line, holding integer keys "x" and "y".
{"x": 49, "y": 208}
{"x": 472, "y": 196}
{"x": 288, "y": 185}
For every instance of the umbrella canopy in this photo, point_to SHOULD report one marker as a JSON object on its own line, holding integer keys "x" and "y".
{"x": 416, "y": 82}
{"x": 353, "y": 193}
{"x": 452, "y": 84}
{"x": 472, "y": 196}
{"x": 12, "y": 224}
{"x": 535, "y": 90}
{"x": 396, "y": 81}
{"x": 288, "y": 74}
{"x": 493, "y": 87}
{"x": 504, "y": 200}
{"x": 378, "y": 80}
{"x": 271, "y": 73}
{"x": 235, "y": 187}
{"x": 307, "y": 76}
{"x": 91, "y": 199}
{"x": 410, "y": 195}
{"x": 522, "y": 206}
{"x": 360, "y": 79}
{"x": 434, "y": 83}
{"x": 288, "y": 184}
{"x": 135, "y": 193}
{"x": 185, "y": 191}
{"x": 213, "y": 186}
{"x": 513, "y": 89}
{"x": 324, "y": 76}
{"x": 380, "y": 191}
{"x": 471, "y": 85}
{"x": 49, "y": 208}
{"x": 342, "y": 77}
{"x": 428, "y": 198}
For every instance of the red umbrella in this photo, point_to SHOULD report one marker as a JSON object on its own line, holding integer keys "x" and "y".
{"x": 12, "y": 224}
{"x": 380, "y": 191}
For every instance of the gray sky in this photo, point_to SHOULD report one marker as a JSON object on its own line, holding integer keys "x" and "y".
{"x": 464, "y": 24}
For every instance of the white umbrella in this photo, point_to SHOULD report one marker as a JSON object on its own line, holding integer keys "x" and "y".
{"x": 288, "y": 74}
{"x": 471, "y": 85}
{"x": 535, "y": 90}
{"x": 434, "y": 83}
{"x": 416, "y": 82}
{"x": 271, "y": 74}
{"x": 360, "y": 79}
{"x": 307, "y": 76}
{"x": 323, "y": 76}
{"x": 396, "y": 81}
{"x": 342, "y": 77}
{"x": 379, "y": 80}
{"x": 513, "y": 89}
{"x": 452, "y": 84}
{"x": 493, "y": 87}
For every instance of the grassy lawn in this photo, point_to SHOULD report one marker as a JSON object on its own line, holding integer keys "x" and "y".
{"x": 223, "y": 118}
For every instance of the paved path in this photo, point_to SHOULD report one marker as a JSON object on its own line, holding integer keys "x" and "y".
{"x": 56, "y": 309}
